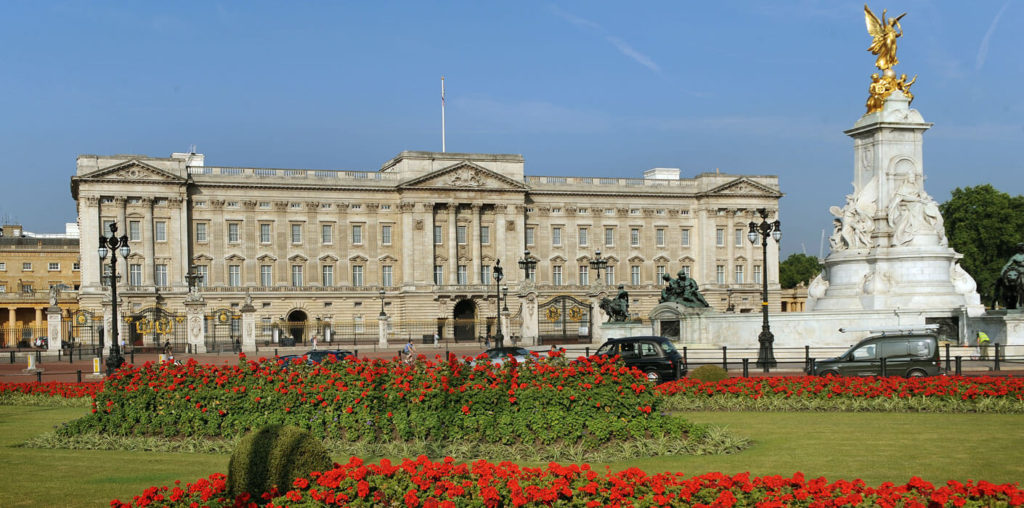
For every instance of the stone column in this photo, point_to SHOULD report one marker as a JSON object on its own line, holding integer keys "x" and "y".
{"x": 53, "y": 322}
{"x": 38, "y": 323}
{"x": 248, "y": 327}
{"x": 12, "y": 338}
{"x": 407, "y": 279}
{"x": 195, "y": 312}
{"x": 474, "y": 278}
{"x": 382, "y": 331}
{"x": 148, "y": 245}
{"x": 453, "y": 245}
{"x": 426, "y": 260}
{"x": 500, "y": 251}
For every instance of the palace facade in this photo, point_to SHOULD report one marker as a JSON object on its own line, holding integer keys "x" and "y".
{"x": 30, "y": 266}
{"x": 418, "y": 242}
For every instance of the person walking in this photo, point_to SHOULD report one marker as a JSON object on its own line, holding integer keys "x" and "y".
{"x": 983, "y": 342}
{"x": 314, "y": 342}
{"x": 437, "y": 340}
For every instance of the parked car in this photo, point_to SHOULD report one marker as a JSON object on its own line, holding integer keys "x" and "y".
{"x": 498, "y": 355}
{"x": 317, "y": 356}
{"x": 655, "y": 356}
{"x": 906, "y": 354}
{"x": 321, "y": 355}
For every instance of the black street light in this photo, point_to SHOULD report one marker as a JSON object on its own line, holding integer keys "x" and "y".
{"x": 498, "y": 273}
{"x": 382, "y": 313}
{"x": 504, "y": 294}
{"x": 598, "y": 264}
{"x": 765, "y": 355}
{"x": 527, "y": 264}
{"x": 114, "y": 244}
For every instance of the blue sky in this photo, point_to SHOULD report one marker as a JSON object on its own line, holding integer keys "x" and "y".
{"x": 578, "y": 88}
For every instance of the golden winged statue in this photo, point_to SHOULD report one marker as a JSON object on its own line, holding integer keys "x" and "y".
{"x": 884, "y": 34}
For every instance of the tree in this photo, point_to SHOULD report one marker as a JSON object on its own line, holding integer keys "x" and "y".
{"x": 984, "y": 225}
{"x": 798, "y": 268}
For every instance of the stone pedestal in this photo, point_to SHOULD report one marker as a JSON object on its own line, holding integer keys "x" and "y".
{"x": 53, "y": 327}
{"x": 619, "y": 330}
{"x": 889, "y": 247}
{"x": 108, "y": 324}
{"x": 382, "y": 332}
{"x": 530, "y": 324}
{"x": 195, "y": 314}
{"x": 248, "y": 328}
{"x": 676, "y": 322}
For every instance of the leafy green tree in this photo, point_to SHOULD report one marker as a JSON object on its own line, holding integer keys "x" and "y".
{"x": 984, "y": 225}
{"x": 798, "y": 268}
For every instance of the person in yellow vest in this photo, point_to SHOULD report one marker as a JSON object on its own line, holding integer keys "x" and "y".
{"x": 983, "y": 342}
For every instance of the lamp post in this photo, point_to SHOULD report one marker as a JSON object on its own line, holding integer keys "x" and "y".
{"x": 498, "y": 274}
{"x": 115, "y": 244}
{"x": 527, "y": 264}
{"x": 765, "y": 355}
{"x": 382, "y": 313}
{"x": 598, "y": 264}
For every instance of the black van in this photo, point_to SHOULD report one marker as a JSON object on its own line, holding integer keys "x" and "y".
{"x": 653, "y": 355}
{"x": 907, "y": 355}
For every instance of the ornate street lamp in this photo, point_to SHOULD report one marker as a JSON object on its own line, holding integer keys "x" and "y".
{"x": 498, "y": 274}
{"x": 115, "y": 244}
{"x": 598, "y": 264}
{"x": 382, "y": 313}
{"x": 765, "y": 355}
{"x": 527, "y": 264}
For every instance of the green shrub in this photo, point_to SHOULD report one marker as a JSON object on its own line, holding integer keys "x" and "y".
{"x": 274, "y": 455}
{"x": 709, "y": 373}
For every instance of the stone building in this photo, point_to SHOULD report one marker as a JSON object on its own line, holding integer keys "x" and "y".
{"x": 30, "y": 265}
{"x": 418, "y": 242}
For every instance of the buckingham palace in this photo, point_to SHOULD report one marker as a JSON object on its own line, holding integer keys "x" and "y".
{"x": 406, "y": 251}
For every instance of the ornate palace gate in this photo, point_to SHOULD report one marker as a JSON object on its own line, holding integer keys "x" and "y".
{"x": 84, "y": 330}
{"x": 564, "y": 320}
{"x": 154, "y": 326}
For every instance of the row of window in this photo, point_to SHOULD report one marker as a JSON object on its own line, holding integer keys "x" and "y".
{"x": 583, "y": 236}
{"x": 296, "y": 230}
{"x": 461, "y": 234}
{"x": 51, "y": 266}
{"x": 462, "y": 275}
{"x": 27, "y": 288}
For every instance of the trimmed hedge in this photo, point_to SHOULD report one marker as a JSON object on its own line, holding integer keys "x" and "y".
{"x": 274, "y": 456}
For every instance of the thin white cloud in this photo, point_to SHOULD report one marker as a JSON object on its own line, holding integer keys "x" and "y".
{"x": 576, "y": 20}
{"x": 637, "y": 56}
{"x": 621, "y": 45}
{"x": 489, "y": 115}
{"x": 979, "y": 60}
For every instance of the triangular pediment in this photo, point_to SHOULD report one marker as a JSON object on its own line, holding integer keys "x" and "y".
{"x": 297, "y": 258}
{"x": 464, "y": 175}
{"x": 133, "y": 170}
{"x": 636, "y": 259}
{"x": 686, "y": 260}
{"x": 743, "y": 187}
{"x": 267, "y": 258}
{"x": 661, "y": 259}
{"x": 328, "y": 258}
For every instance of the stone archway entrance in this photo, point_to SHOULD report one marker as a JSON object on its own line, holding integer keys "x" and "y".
{"x": 297, "y": 324}
{"x": 465, "y": 320}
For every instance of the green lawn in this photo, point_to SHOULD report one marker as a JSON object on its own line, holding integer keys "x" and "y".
{"x": 876, "y": 447}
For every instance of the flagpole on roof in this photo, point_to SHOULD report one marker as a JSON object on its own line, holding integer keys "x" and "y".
{"x": 442, "y": 114}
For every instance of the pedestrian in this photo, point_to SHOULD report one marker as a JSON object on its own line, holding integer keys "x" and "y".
{"x": 983, "y": 342}
{"x": 437, "y": 339}
{"x": 487, "y": 341}
{"x": 553, "y": 351}
{"x": 314, "y": 342}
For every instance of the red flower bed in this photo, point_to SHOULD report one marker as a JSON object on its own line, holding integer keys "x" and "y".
{"x": 53, "y": 389}
{"x": 422, "y": 482}
{"x": 594, "y": 400}
{"x": 939, "y": 387}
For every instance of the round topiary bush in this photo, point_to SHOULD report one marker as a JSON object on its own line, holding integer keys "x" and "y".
{"x": 709, "y": 373}
{"x": 274, "y": 456}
